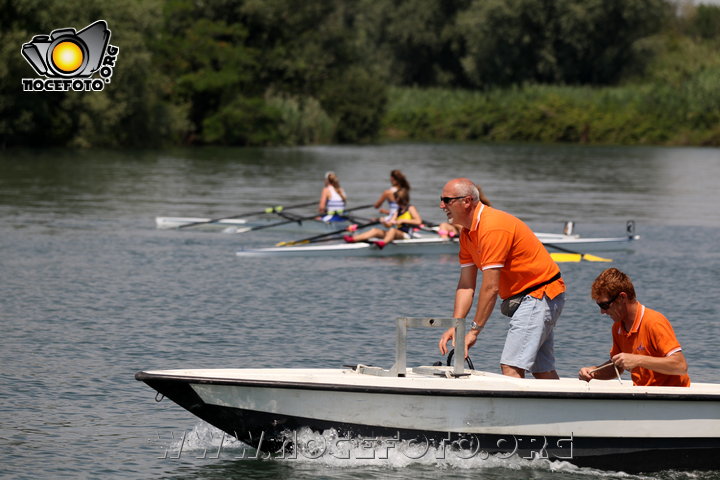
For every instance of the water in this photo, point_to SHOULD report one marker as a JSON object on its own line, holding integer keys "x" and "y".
{"x": 92, "y": 293}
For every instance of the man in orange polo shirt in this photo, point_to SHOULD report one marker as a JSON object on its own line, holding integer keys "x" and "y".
{"x": 643, "y": 340}
{"x": 515, "y": 265}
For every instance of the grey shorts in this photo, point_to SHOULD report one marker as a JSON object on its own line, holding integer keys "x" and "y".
{"x": 530, "y": 341}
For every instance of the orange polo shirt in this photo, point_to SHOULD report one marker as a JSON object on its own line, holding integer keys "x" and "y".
{"x": 651, "y": 334}
{"x": 499, "y": 240}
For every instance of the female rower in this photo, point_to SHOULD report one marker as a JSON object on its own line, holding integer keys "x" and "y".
{"x": 397, "y": 182}
{"x": 448, "y": 230}
{"x": 332, "y": 199}
{"x": 401, "y": 226}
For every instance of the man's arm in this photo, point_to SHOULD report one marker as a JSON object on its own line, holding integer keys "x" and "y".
{"x": 464, "y": 294}
{"x": 600, "y": 372}
{"x": 674, "y": 364}
{"x": 486, "y": 303}
{"x": 487, "y": 296}
{"x": 465, "y": 291}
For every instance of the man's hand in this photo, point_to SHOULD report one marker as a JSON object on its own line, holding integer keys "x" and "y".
{"x": 447, "y": 336}
{"x": 586, "y": 373}
{"x": 470, "y": 339}
{"x": 627, "y": 361}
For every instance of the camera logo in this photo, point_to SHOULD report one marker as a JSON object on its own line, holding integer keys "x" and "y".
{"x": 68, "y": 59}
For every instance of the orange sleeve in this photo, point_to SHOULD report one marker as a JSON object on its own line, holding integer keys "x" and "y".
{"x": 663, "y": 336}
{"x": 497, "y": 245}
{"x": 466, "y": 244}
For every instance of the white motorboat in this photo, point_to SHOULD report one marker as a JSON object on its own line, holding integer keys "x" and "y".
{"x": 602, "y": 424}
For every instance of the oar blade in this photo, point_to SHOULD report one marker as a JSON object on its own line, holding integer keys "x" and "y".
{"x": 566, "y": 257}
{"x": 594, "y": 258}
{"x": 577, "y": 257}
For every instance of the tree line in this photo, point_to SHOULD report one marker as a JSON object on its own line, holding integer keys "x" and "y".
{"x": 290, "y": 72}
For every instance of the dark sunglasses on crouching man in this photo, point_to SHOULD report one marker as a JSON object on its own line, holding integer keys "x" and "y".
{"x": 606, "y": 305}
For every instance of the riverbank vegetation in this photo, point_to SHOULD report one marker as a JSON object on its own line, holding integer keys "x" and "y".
{"x": 281, "y": 72}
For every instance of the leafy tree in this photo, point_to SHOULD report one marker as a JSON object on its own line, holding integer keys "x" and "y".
{"x": 318, "y": 50}
{"x": 129, "y": 111}
{"x": 358, "y": 103}
{"x": 419, "y": 39}
{"x": 236, "y": 60}
{"x": 555, "y": 41}
{"x": 704, "y": 22}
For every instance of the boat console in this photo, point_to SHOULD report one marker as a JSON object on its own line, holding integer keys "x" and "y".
{"x": 399, "y": 368}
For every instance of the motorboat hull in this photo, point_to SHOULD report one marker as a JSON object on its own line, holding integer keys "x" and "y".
{"x": 604, "y": 425}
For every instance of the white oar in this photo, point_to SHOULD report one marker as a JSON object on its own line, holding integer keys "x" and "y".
{"x": 276, "y": 209}
{"x": 293, "y": 220}
{"x": 284, "y": 222}
{"x": 315, "y": 238}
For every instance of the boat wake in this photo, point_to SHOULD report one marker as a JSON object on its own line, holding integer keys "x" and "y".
{"x": 330, "y": 449}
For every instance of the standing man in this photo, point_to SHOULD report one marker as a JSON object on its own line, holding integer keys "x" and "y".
{"x": 643, "y": 340}
{"x": 513, "y": 264}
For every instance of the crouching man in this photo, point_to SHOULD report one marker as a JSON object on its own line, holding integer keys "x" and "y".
{"x": 643, "y": 340}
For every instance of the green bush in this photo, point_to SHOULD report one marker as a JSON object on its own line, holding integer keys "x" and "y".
{"x": 633, "y": 114}
{"x": 302, "y": 120}
{"x": 244, "y": 121}
{"x": 356, "y": 100}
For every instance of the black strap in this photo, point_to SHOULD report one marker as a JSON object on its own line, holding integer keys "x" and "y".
{"x": 528, "y": 291}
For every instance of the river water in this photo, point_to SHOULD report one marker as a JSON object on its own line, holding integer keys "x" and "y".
{"x": 92, "y": 292}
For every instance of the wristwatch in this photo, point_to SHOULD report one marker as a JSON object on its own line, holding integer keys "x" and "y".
{"x": 476, "y": 327}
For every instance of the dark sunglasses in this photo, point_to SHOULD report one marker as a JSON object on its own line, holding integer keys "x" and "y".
{"x": 606, "y": 305}
{"x": 447, "y": 200}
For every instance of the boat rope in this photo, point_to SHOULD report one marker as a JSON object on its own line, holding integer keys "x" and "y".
{"x": 605, "y": 365}
{"x": 617, "y": 372}
{"x": 467, "y": 360}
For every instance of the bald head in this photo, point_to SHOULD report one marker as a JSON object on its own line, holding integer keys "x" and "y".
{"x": 462, "y": 187}
{"x": 458, "y": 200}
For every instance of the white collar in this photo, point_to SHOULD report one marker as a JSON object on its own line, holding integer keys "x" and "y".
{"x": 476, "y": 221}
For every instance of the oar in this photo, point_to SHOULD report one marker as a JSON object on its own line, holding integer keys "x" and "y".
{"x": 290, "y": 219}
{"x": 429, "y": 227}
{"x": 361, "y": 207}
{"x": 317, "y": 237}
{"x": 276, "y": 209}
{"x": 572, "y": 256}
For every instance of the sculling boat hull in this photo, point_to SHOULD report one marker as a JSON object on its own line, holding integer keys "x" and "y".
{"x": 435, "y": 245}
{"x": 415, "y": 246}
{"x": 601, "y": 424}
{"x": 235, "y": 225}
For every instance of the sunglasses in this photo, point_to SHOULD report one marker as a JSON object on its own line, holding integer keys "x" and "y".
{"x": 606, "y": 305}
{"x": 447, "y": 200}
